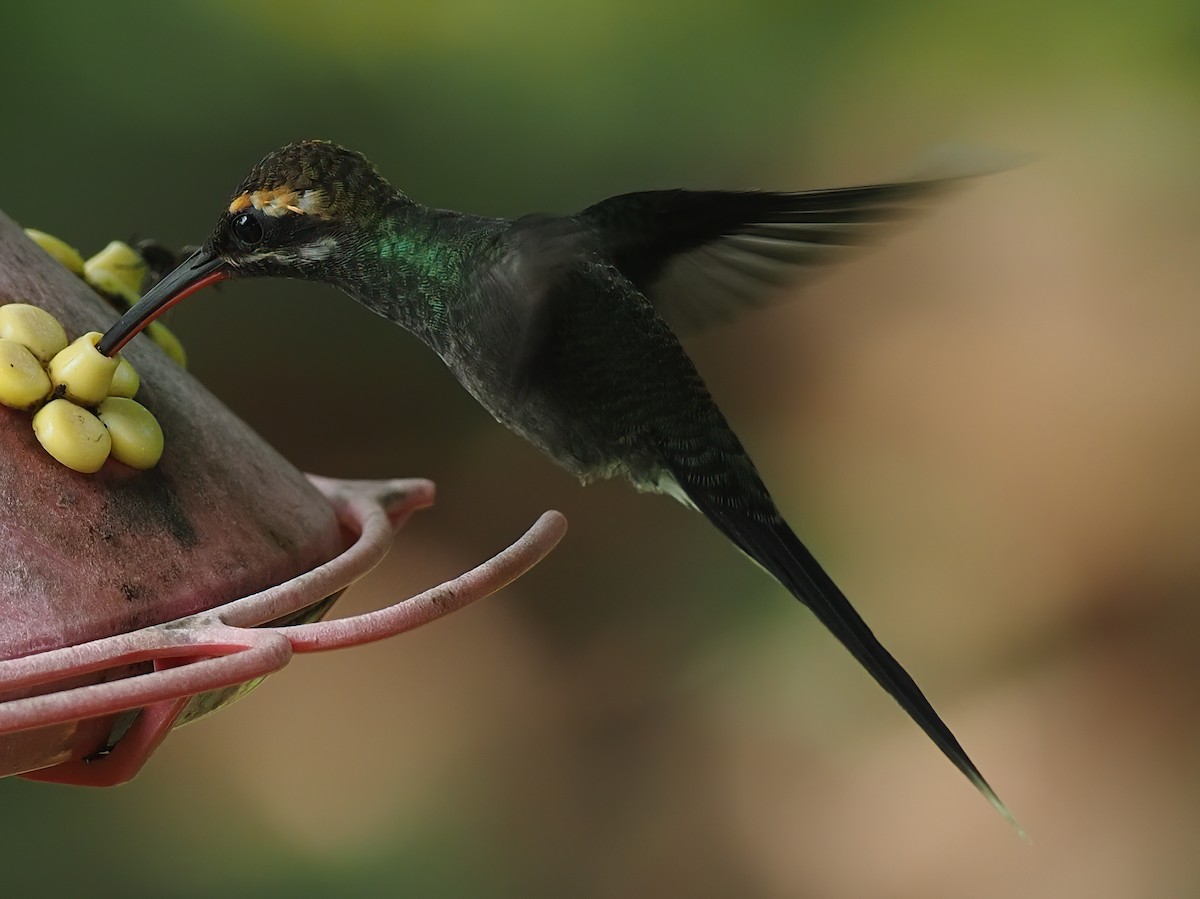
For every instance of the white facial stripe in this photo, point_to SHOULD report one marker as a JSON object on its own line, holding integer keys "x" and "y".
{"x": 264, "y": 255}
{"x": 318, "y": 250}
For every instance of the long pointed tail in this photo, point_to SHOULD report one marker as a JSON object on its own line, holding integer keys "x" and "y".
{"x": 773, "y": 545}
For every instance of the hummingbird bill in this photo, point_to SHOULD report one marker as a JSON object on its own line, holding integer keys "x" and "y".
{"x": 565, "y": 328}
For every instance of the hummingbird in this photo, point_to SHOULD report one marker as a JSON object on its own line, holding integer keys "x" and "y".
{"x": 564, "y": 329}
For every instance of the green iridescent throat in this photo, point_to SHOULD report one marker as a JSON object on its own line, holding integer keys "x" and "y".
{"x": 412, "y": 262}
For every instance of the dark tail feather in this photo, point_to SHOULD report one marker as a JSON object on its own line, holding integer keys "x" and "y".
{"x": 780, "y": 552}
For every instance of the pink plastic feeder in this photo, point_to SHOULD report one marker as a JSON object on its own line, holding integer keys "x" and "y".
{"x": 134, "y": 601}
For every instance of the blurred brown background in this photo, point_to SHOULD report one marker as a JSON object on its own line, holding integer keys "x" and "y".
{"x": 987, "y": 428}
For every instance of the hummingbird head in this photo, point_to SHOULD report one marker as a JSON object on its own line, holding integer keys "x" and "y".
{"x": 298, "y": 213}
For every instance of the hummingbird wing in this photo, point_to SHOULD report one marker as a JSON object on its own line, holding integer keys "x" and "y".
{"x": 704, "y": 256}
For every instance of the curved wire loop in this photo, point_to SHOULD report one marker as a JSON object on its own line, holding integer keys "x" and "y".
{"x": 232, "y": 644}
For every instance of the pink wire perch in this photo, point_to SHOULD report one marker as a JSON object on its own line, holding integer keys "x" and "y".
{"x": 165, "y": 670}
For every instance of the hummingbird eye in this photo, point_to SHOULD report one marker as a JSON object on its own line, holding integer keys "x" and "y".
{"x": 247, "y": 229}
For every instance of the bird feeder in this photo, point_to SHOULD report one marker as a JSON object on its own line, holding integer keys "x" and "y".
{"x": 134, "y": 601}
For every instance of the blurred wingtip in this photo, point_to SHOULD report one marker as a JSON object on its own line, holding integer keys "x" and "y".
{"x": 959, "y": 162}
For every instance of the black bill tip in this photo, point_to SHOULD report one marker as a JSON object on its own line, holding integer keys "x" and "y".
{"x": 199, "y": 270}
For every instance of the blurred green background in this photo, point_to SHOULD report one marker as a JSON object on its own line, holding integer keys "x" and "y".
{"x": 986, "y": 428}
